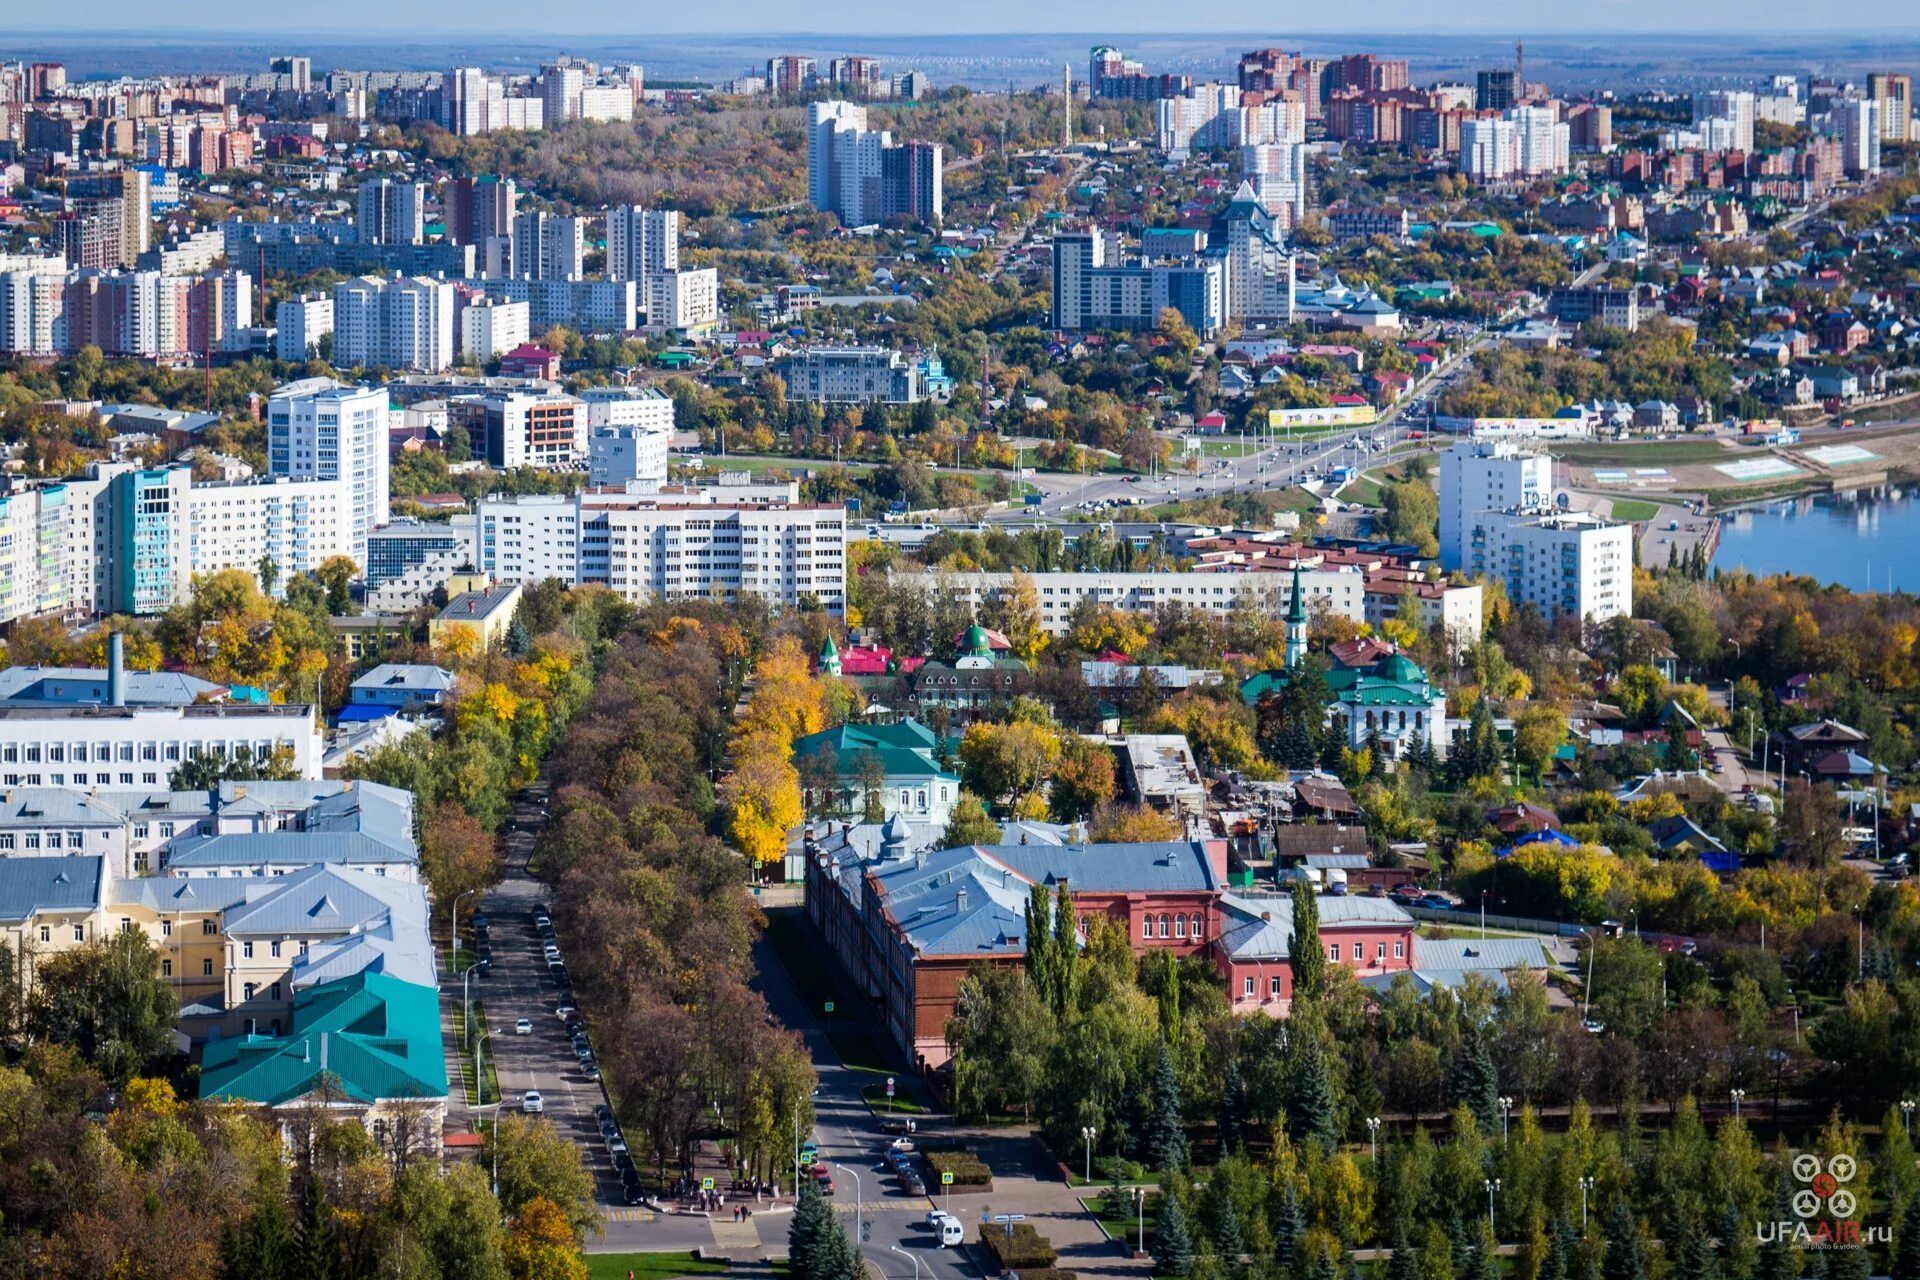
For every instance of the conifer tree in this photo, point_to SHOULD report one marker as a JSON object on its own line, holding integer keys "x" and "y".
{"x": 1626, "y": 1257}
{"x": 1233, "y": 1108}
{"x": 1172, "y": 1245}
{"x": 1166, "y": 1135}
{"x": 318, "y": 1254}
{"x": 1906, "y": 1250}
{"x": 807, "y": 1230}
{"x": 1308, "y": 957}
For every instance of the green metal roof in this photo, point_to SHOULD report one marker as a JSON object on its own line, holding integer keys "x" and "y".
{"x": 376, "y": 1036}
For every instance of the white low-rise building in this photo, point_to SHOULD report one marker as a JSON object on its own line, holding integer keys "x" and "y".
{"x": 1337, "y": 592}
{"x": 139, "y": 747}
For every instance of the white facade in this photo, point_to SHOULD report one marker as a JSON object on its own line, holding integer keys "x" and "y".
{"x": 1482, "y": 476}
{"x": 617, "y": 456}
{"x": 1735, "y": 106}
{"x": 1337, "y": 592}
{"x": 141, "y": 746}
{"x": 642, "y": 242}
{"x": 647, "y": 407}
{"x": 399, "y": 323}
{"x": 1570, "y": 563}
{"x": 591, "y": 306}
{"x": 560, "y": 88}
{"x": 1200, "y": 118}
{"x": 301, "y": 322}
{"x": 683, "y": 301}
{"x": 606, "y": 102}
{"x": 471, "y": 101}
{"x": 391, "y": 212}
{"x": 824, "y": 121}
{"x": 1489, "y": 150}
{"x": 296, "y": 524}
{"x": 489, "y": 329}
{"x": 528, "y": 539}
{"x": 322, "y": 430}
{"x": 1859, "y": 120}
{"x": 1541, "y": 141}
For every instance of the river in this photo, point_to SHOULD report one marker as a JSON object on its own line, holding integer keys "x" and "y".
{"x": 1868, "y": 540}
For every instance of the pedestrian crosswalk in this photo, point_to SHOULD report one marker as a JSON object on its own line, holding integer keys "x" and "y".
{"x": 629, "y": 1215}
{"x": 883, "y": 1206}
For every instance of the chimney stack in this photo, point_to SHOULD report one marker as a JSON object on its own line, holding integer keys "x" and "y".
{"x": 116, "y": 670}
{"x": 960, "y": 901}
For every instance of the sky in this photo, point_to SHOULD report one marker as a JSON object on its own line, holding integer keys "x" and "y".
{"x": 447, "y": 19}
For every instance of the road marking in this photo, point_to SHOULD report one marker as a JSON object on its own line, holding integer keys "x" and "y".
{"x": 730, "y": 1234}
{"x": 629, "y": 1215}
{"x": 883, "y": 1206}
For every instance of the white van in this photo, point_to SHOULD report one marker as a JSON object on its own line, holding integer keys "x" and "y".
{"x": 951, "y": 1231}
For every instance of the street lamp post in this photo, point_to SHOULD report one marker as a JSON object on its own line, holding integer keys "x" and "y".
{"x": 859, "y": 1200}
{"x": 1586, "y": 1185}
{"x": 913, "y": 1258}
{"x": 453, "y": 918}
{"x": 1373, "y": 1137}
{"x": 1738, "y": 1094}
{"x": 1506, "y": 1109}
{"x": 1089, "y": 1133}
{"x": 1906, "y": 1115}
{"x": 1493, "y": 1189}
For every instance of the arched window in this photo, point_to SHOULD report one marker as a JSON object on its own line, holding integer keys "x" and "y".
{"x": 1420, "y": 720}
{"x": 1166, "y": 925}
{"x": 1180, "y": 926}
{"x": 1197, "y": 927}
{"x": 1370, "y": 722}
{"x": 1146, "y": 926}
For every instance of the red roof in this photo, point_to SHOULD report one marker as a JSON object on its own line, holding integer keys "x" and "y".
{"x": 528, "y": 351}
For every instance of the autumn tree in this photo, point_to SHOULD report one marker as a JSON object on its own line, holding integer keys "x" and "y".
{"x": 540, "y": 1244}
{"x": 1129, "y": 824}
{"x": 457, "y": 853}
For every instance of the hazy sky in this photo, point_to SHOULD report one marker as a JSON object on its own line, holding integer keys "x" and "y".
{"x": 448, "y": 19}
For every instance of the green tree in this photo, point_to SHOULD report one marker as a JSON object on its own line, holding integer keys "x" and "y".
{"x": 1405, "y": 1262}
{"x": 1172, "y": 1244}
{"x": 107, "y": 1000}
{"x": 969, "y": 824}
{"x": 1310, "y": 1102}
{"x": 536, "y": 1160}
{"x": 1906, "y": 1249}
{"x": 1308, "y": 958}
{"x": 317, "y": 1255}
{"x": 1232, "y": 1119}
{"x": 1472, "y": 1083}
{"x": 1166, "y": 1138}
{"x": 808, "y": 1228}
{"x": 1626, "y": 1257}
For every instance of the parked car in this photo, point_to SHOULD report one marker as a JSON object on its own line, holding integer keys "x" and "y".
{"x": 633, "y": 1193}
{"x": 523, "y": 1027}
{"x": 590, "y": 1069}
{"x": 532, "y": 1103}
{"x": 1434, "y": 902}
{"x": 616, "y": 1145}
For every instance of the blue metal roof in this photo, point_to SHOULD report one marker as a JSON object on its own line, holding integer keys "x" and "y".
{"x": 29, "y": 885}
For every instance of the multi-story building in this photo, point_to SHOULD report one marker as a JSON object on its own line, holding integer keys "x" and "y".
{"x": 1347, "y": 223}
{"x": 124, "y": 313}
{"x": 590, "y": 306}
{"x": 1894, "y": 92}
{"x": 647, "y": 407}
{"x": 391, "y": 212}
{"x": 683, "y": 302}
{"x": 642, "y": 242}
{"x": 858, "y": 76}
{"x": 124, "y": 747}
{"x": 617, "y": 456}
{"x": 1860, "y": 133}
{"x": 1610, "y": 305}
{"x": 401, "y": 323}
{"x": 121, "y": 199}
{"x": 481, "y": 208}
{"x": 560, "y": 88}
{"x": 1259, "y": 272}
{"x": 301, "y": 323}
{"x": 1093, "y": 290}
{"x": 1541, "y": 142}
{"x": 474, "y": 102}
{"x": 1489, "y": 149}
{"x": 489, "y": 328}
{"x": 850, "y": 375}
{"x": 1478, "y": 476}
{"x": 395, "y": 548}
{"x": 1494, "y": 90}
{"x": 789, "y": 75}
{"x": 854, "y": 172}
{"x": 1336, "y": 591}
{"x": 547, "y": 246}
{"x": 320, "y": 429}
{"x": 1736, "y": 107}
{"x": 522, "y": 429}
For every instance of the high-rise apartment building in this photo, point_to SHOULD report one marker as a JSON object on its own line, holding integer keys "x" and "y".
{"x": 399, "y": 323}
{"x": 319, "y": 429}
{"x": 471, "y": 102}
{"x": 481, "y": 209}
{"x": 1860, "y": 134}
{"x": 1541, "y": 142}
{"x": 854, "y": 172}
{"x": 790, "y": 75}
{"x": 1477, "y": 476}
{"x": 1735, "y": 106}
{"x": 1894, "y": 92}
{"x": 391, "y": 212}
{"x": 1489, "y": 149}
{"x": 641, "y": 242}
{"x": 297, "y": 68}
{"x": 1093, "y": 289}
{"x": 858, "y": 77}
{"x": 522, "y": 429}
{"x": 547, "y": 246}
{"x": 1494, "y": 90}
{"x": 560, "y": 88}
{"x": 490, "y": 328}
{"x": 301, "y": 323}
{"x": 122, "y": 199}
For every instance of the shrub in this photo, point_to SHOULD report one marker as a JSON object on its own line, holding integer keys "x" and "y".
{"x": 967, "y": 1168}
{"x": 1027, "y": 1249}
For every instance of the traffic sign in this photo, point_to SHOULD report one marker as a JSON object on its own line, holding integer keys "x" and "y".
{"x": 946, "y": 1177}
{"x": 889, "y": 1086}
{"x": 829, "y": 1006}
{"x": 706, "y": 1184}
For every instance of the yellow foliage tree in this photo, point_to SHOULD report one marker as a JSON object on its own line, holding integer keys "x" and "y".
{"x": 763, "y": 798}
{"x": 540, "y": 1244}
{"x": 1111, "y": 628}
{"x": 1130, "y": 824}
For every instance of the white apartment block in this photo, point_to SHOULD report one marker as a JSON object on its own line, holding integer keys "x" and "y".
{"x": 391, "y": 212}
{"x": 783, "y": 554}
{"x": 399, "y": 323}
{"x": 642, "y": 242}
{"x": 1337, "y": 592}
{"x": 522, "y": 429}
{"x": 618, "y": 456}
{"x": 713, "y": 542}
{"x": 471, "y": 101}
{"x": 1569, "y": 563}
{"x": 1480, "y": 476}
{"x": 591, "y": 306}
{"x": 1736, "y": 107}
{"x": 685, "y": 302}
{"x": 1200, "y": 117}
{"x": 123, "y": 747}
{"x": 606, "y": 102}
{"x": 1541, "y": 142}
{"x": 1489, "y": 150}
{"x": 295, "y": 524}
{"x": 320, "y": 429}
{"x": 1860, "y": 130}
{"x": 560, "y": 88}
{"x": 301, "y": 323}
{"x": 647, "y": 407}
{"x": 490, "y": 328}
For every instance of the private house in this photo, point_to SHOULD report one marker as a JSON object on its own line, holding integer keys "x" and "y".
{"x": 484, "y": 616}
{"x": 978, "y": 678}
{"x": 402, "y": 686}
{"x": 1448, "y": 962}
{"x": 897, "y": 765}
{"x": 1254, "y": 951}
{"x": 1824, "y": 749}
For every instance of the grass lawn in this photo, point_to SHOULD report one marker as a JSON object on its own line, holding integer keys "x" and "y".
{"x": 1364, "y": 489}
{"x": 1651, "y": 451}
{"x": 648, "y": 1266}
{"x": 902, "y": 1104}
{"x": 489, "y": 1080}
{"x": 1121, "y": 1219}
{"x": 1634, "y": 509}
{"x": 1228, "y": 447}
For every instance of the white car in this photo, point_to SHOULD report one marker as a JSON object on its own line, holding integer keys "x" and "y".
{"x": 524, "y": 1027}
{"x": 532, "y": 1103}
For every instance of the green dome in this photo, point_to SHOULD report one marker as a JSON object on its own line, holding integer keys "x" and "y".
{"x": 976, "y": 641}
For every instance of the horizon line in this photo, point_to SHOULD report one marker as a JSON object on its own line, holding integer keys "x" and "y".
{"x": 226, "y": 36}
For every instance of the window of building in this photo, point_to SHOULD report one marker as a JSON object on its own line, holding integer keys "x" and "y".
{"x": 1179, "y": 926}
{"x": 206, "y": 968}
{"x": 33, "y": 840}
{"x": 1197, "y": 927}
{"x": 166, "y": 968}
{"x": 208, "y": 928}
{"x": 1248, "y": 988}
{"x": 1359, "y": 952}
{"x": 1333, "y": 951}
{"x": 79, "y": 933}
{"x": 6, "y": 840}
{"x": 246, "y": 951}
{"x": 276, "y": 950}
{"x": 166, "y": 831}
{"x": 273, "y": 992}
{"x": 1379, "y": 951}
{"x": 1273, "y": 988}
{"x": 247, "y": 991}
{"x": 76, "y": 839}
{"x": 46, "y": 933}
{"x": 1399, "y": 951}
{"x": 1165, "y": 924}
{"x": 1146, "y": 926}
{"x": 126, "y": 925}
{"x": 139, "y": 831}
